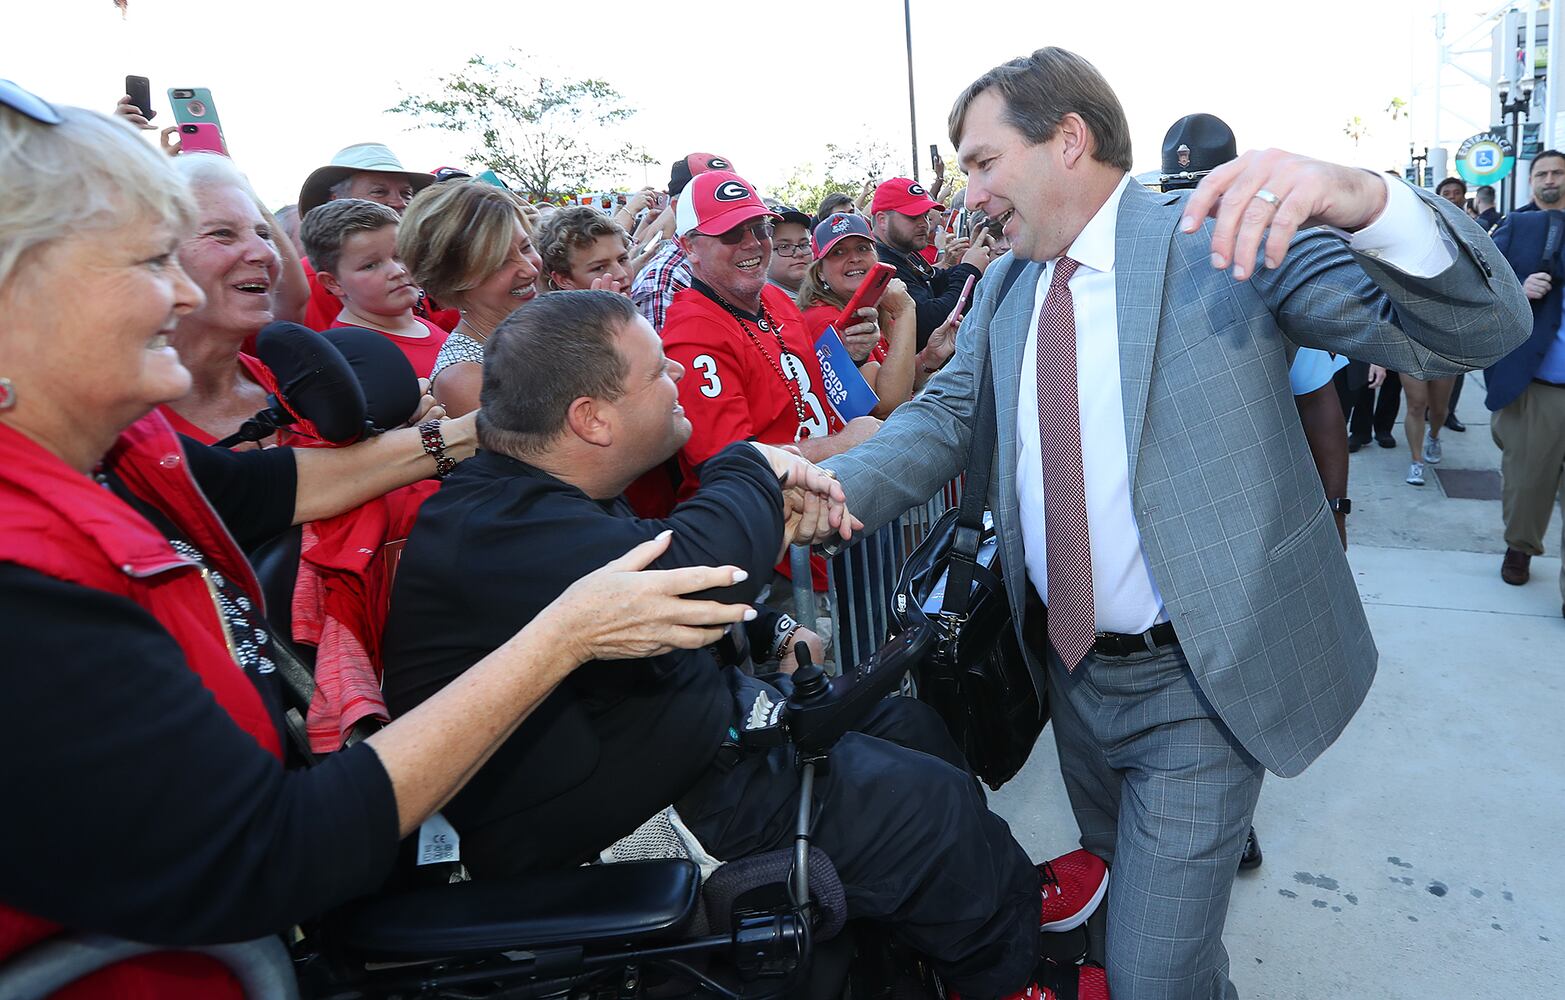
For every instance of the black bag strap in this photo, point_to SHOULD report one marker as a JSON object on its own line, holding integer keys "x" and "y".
{"x": 1551, "y": 242}
{"x": 980, "y": 462}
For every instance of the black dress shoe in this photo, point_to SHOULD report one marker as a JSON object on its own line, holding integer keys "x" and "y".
{"x": 1453, "y": 424}
{"x": 1251, "y": 858}
{"x": 1385, "y": 440}
{"x": 1355, "y": 442}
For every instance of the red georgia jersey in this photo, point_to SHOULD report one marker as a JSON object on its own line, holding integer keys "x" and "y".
{"x": 730, "y": 391}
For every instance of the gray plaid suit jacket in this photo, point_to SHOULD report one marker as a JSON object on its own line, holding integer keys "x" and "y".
{"x": 1233, "y": 520}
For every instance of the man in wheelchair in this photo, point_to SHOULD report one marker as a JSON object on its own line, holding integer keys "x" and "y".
{"x": 577, "y": 401}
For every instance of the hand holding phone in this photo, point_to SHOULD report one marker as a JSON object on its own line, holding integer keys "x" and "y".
{"x": 139, "y": 90}
{"x": 962, "y": 301}
{"x": 868, "y": 294}
{"x": 201, "y": 137}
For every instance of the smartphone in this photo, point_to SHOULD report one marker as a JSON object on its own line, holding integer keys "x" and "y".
{"x": 870, "y": 290}
{"x": 193, "y": 105}
{"x": 934, "y": 157}
{"x": 140, "y": 90}
{"x": 963, "y": 299}
{"x": 201, "y": 137}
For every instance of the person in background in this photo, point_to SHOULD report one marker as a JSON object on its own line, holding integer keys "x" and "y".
{"x": 900, "y": 213}
{"x": 288, "y": 221}
{"x": 1453, "y": 190}
{"x": 372, "y": 172}
{"x": 1546, "y": 181}
{"x": 833, "y": 204}
{"x": 468, "y": 244}
{"x": 1526, "y": 394}
{"x": 582, "y": 248}
{"x": 668, "y": 272}
{"x": 1488, "y": 215}
{"x": 790, "y": 250}
{"x": 890, "y": 362}
{"x": 354, "y": 246}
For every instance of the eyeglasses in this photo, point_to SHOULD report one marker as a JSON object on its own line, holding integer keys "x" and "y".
{"x": 792, "y": 249}
{"x": 762, "y": 231}
{"x": 29, "y": 104}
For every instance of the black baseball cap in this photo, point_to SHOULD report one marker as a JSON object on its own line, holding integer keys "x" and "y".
{"x": 788, "y": 213}
{"x": 1195, "y": 146}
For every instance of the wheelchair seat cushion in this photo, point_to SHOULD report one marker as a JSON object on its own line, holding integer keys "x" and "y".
{"x": 617, "y": 904}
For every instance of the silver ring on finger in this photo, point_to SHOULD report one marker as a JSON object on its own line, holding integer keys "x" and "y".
{"x": 1268, "y": 197}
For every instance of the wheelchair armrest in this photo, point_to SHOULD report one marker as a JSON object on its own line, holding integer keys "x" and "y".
{"x": 263, "y": 966}
{"x": 618, "y": 904}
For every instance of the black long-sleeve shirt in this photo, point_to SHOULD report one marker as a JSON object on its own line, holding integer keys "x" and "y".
{"x": 934, "y": 290}
{"x": 618, "y": 740}
{"x": 133, "y": 804}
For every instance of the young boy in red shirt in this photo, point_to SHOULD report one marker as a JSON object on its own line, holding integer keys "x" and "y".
{"x": 353, "y": 245}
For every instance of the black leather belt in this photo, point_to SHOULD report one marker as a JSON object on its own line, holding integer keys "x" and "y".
{"x": 1128, "y": 644}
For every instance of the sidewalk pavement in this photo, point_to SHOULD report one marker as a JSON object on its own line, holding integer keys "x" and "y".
{"x": 1420, "y": 856}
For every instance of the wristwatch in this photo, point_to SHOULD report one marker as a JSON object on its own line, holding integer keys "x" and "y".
{"x": 1341, "y": 505}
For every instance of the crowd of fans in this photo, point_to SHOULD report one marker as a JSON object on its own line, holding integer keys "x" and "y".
{"x": 620, "y": 375}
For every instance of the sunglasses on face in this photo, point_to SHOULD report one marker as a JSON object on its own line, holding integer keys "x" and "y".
{"x": 762, "y": 231}
{"x": 28, "y": 103}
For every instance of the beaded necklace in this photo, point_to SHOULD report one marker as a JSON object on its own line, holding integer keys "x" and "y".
{"x": 770, "y": 325}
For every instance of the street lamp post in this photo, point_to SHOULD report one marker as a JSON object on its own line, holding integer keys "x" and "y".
{"x": 907, "y": 21}
{"x": 1513, "y": 110}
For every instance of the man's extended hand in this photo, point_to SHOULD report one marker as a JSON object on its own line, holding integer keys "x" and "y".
{"x": 1538, "y": 285}
{"x": 1304, "y": 193}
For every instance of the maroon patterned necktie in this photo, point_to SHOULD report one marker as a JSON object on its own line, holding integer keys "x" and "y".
{"x": 1072, "y": 623}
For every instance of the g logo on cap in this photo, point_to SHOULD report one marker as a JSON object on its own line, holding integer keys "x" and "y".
{"x": 916, "y": 189}
{"x": 731, "y": 191}
{"x": 718, "y": 163}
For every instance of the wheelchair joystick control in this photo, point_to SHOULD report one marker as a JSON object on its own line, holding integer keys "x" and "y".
{"x": 809, "y": 680}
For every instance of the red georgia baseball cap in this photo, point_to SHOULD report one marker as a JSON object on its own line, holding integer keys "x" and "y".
{"x": 904, "y": 195}
{"x": 717, "y": 201}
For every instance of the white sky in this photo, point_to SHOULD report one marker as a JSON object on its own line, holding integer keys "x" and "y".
{"x": 765, "y": 84}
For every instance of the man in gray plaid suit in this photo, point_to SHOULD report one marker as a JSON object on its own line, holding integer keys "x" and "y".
{"x": 1152, "y": 481}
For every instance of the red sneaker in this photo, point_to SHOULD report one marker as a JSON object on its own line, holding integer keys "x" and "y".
{"x": 1091, "y": 984}
{"x": 1073, "y": 886}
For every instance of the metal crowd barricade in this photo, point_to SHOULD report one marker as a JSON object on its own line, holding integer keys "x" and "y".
{"x": 861, "y": 579}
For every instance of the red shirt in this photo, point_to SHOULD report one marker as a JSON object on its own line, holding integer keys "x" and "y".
{"x": 301, "y": 435}
{"x": 732, "y": 391}
{"x": 320, "y": 313}
{"x": 420, "y": 353}
{"x": 819, "y": 317}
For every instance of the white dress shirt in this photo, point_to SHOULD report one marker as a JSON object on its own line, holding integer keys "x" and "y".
{"x": 1124, "y": 595}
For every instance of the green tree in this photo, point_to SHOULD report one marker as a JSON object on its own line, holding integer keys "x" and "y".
{"x": 1356, "y": 129}
{"x": 552, "y": 136}
{"x": 848, "y": 168}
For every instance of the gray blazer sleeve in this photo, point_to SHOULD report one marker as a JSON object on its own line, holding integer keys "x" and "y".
{"x": 1468, "y": 316}
{"x": 924, "y": 443}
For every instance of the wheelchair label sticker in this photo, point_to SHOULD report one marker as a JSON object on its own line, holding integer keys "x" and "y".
{"x": 438, "y": 842}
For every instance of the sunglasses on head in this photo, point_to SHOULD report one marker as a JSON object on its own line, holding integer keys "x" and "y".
{"x": 762, "y": 231}
{"x": 29, "y": 104}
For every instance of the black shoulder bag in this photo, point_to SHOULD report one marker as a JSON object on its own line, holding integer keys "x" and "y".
{"x": 976, "y": 678}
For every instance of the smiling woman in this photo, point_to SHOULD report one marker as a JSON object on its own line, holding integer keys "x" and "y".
{"x": 469, "y": 244}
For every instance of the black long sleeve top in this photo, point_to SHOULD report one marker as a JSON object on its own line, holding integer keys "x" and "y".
{"x": 618, "y": 740}
{"x": 133, "y": 804}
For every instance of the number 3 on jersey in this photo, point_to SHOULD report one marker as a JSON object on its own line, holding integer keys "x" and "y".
{"x": 800, "y": 376}
{"x": 712, "y": 387}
